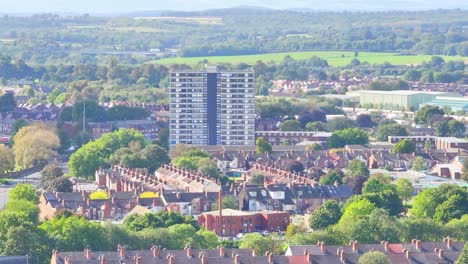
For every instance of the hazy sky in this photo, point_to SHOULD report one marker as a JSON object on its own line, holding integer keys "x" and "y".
{"x": 122, "y": 6}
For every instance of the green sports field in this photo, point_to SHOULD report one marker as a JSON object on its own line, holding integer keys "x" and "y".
{"x": 334, "y": 58}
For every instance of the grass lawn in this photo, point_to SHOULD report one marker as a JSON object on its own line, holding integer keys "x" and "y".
{"x": 334, "y": 58}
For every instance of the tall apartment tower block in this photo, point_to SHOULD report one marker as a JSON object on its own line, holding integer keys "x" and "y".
{"x": 212, "y": 107}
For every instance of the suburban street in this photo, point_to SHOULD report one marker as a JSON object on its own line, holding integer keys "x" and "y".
{"x": 5, "y": 188}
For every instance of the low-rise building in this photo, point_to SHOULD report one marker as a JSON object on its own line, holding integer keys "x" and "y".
{"x": 293, "y": 137}
{"x": 417, "y": 251}
{"x": 157, "y": 255}
{"x": 114, "y": 207}
{"x": 229, "y": 222}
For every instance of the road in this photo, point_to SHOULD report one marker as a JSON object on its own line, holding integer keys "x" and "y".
{"x": 5, "y": 188}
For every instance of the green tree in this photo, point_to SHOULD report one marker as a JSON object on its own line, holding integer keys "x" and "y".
{"x": 49, "y": 173}
{"x": 24, "y": 191}
{"x": 453, "y": 208}
{"x": 441, "y": 204}
{"x": 181, "y": 235}
{"x": 75, "y": 233}
{"x": 262, "y": 146}
{"x": 7, "y": 159}
{"x": 357, "y": 168}
{"x": 35, "y": 144}
{"x": 385, "y": 131}
{"x": 364, "y": 120}
{"x": 87, "y": 159}
{"x": 326, "y": 215}
{"x": 314, "y": 146}
{"x": 456, "y": 128}
{"x": 375, "y": 257}
{"x": 7, "y": 104}
{"x": 29, "y": 209}
{"x": 423, "y": 229}
{"x": 257, "y": 178}
{"x": 442, "y": 128}
{"x": 229, "y": 202}
{"x": 331, "y": 177}
{"x": 295, "y": 167}
{"x": 424, "y": 114}
{"x": 340, "y": 123}
{"x": 348, "y": 136}
{"x": 356, "y": 210}
{"x": 293, "y": 229}
{"x": 256, "y": 242}
{"x": 19, "y": 237}
{"x": 290, "y": 125}
{"x": 315, "y": 126}
{"x": 458, "y": 228}
{"x": 60, "y": 184}
{"x": 463, "y": 258}
{"x": 17, "y": 125}
{"x": 404, "y": 146}
{"x": 372, "y": 226}
{"x": 376, "y": 186}
{"x": 404, "y": 189}
{"x": 418, "y": 164}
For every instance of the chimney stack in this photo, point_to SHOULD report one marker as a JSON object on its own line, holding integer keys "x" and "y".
{"x": 221, "y": 252}
{"x": 203, "y": 259}
{"x": 138, "y": 260}
{"x": 253, "y": 253}
{"x": 155, "y": 251}
{"x": 441, "y": 253}
{"x": 342, "y": 258}
{"x": 121, "y": 251}
{"x": 386, "y": 246}
{"x": 449, "y": 242}
{"x": 354, "y": 245}
{"x": 171, "y": 259}
{"x": 309, "y": 258}
{"x": 89, "y": 254}
{"x": 102, "y": 259}
{"x": 322, "y": 247}
{"x": 407, "y": 252}
{"x": 270, "y": 258}
{"x": 418, "y": 245}
{"x": 236, "y": 259}
{"x": 189, "y": 252}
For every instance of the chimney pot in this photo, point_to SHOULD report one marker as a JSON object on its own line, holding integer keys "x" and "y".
{"x": 355, "y": 246}
{"x": 270, "y": 258}
{"x": 171, "y": 259}
{"x": 322, "y": 247}
{"x": 441, "y": 253}
{"x": 121, "y": 250}
{"x": 89, "y": 254}
{"x": 236, "y": 259}
{"x": 155, "y": 252}
{"x": 418, "y": 245}
{"x": 449, "y": 242}
{"x": 102, "y": 260}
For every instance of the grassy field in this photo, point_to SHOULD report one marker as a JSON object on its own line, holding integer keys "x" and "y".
{"x": 334, "y": 58}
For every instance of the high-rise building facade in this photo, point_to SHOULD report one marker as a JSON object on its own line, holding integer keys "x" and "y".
{"x": 212, "y": 107}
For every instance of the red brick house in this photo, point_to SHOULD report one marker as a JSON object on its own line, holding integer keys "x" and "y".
{"x": 232, "y": 222}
